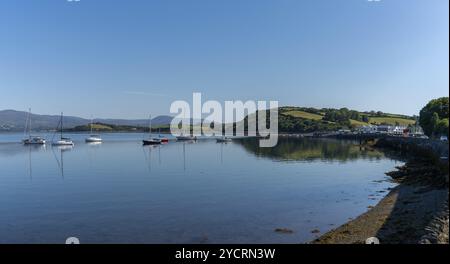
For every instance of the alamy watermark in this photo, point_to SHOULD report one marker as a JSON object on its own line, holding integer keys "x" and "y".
{"x": 236, "y": 118}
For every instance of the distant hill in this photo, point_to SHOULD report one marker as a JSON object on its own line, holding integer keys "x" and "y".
{"x": 12, "y": 120}
{"x": 293, "y": 119}
{"x": 356, "y": 118}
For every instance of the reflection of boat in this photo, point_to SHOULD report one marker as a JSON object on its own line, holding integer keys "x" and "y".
{"x": 151, "y": 140}
{"x": 94, "y": 143}
{"x": 65, "y": 147}
{"x": 63, "y": 141}
{"x": 93, "y": 137}
{"x": 31, "y": 148}
{"x": 60, "y": 161}
{"x": 31, "y": 140}
{"x": 223, "y": 139}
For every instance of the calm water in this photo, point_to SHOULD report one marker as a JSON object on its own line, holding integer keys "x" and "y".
{"x": 204, "y": 192}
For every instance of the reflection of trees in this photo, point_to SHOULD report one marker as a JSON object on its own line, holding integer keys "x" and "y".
{"x": 309, "y": 149}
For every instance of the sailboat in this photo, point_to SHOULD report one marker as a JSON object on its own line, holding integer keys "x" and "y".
{"x": 31, "y": 140}
{"x": 183, "y": 137}
{"x": 63, "y": 141}
{"x": 223, "y": 139}
{"x": 151, "y": 140}
{"x": 93, "y": 138}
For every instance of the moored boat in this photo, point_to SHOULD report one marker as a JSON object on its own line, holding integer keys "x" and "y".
{"x": 93, "y": 138}
{"x": 223, "y": 139}
{"x": 151, "y": 140}
{"x": 63, "y": 141}
{"x": 186, "y": 137}
{"x": 31, "y": 140}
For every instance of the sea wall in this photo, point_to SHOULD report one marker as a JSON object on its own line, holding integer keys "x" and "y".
{"x": 415, "y": 146}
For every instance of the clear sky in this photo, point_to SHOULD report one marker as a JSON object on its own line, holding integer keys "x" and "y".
{"x": 129, "y": 58}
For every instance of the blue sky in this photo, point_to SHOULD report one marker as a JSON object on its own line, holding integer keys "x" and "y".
{"x": 126, "y": 59}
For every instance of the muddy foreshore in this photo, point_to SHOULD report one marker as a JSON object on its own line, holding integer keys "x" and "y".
{"x": 416, "y": 211}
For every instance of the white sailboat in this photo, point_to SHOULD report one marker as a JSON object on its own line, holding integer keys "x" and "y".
{"x": 93, "y": 138}
{"x": 31, "y": 140}
{"x": 63, "y": 141}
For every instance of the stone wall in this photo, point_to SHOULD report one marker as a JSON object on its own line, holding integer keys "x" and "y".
{"x": 414, "y": 146}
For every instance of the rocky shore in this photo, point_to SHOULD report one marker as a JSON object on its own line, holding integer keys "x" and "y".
{"x": 414, "y": 212}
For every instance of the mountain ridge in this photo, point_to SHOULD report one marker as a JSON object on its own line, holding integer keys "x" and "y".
{"x": 14, "y": 120}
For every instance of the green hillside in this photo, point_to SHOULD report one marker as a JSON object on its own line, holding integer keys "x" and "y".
{"x": 391, "y": 120}
{"x": 303, "y": 114}
{"x": 308, "y": 120}
{"x": 346, "y": 117}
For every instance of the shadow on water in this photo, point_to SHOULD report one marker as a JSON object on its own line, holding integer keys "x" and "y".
{"x": 310, "y": 149}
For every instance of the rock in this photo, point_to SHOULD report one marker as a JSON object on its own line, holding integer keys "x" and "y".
{"x": 284, "y": 230}
{"x": 315, "y": 231}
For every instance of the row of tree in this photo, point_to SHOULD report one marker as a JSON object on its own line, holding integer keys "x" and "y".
{"x": 434, "y": 117}
{"x": 343, "y": 116}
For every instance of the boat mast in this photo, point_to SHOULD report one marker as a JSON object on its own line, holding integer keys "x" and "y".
{"x": 92, "y": 120}
{"x": 150, "y": 125}
{"x": 61, "y": 131}
{"x": 29, "y": 122}
{"x": 26, "y": 130}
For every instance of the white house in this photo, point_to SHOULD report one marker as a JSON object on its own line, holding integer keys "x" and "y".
{"x": 369, "y": 129}
{"x": 398, "y": 130}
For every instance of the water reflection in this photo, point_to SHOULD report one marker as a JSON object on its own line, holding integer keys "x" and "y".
{"x": 60, "y": 159}
{"x": 310, "y": 149}
{"x": 224, "y": 192}
{"x": 33, "y": 148}
{"x": 147, "y": 150}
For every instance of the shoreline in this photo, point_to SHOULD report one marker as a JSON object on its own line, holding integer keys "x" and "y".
{"x": 406, "y": 215}
{"x": 414, "y": 212}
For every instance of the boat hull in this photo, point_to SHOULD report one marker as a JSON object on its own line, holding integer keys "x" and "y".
{"x": 93, "y": 140}
{"x": 63, "y": 143}
{"x": 186, "y": 138}
{"x": 151, "y": 142}
{"x": 33, "y": 141}
{"x": 223, "y": 140}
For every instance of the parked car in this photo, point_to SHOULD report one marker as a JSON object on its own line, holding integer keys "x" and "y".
{"x": 444, "y": 138}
